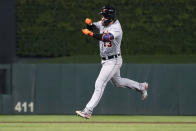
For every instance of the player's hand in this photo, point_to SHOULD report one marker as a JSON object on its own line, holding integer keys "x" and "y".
{"x": 88, "y": 21}
{"x": 87, "y": 32}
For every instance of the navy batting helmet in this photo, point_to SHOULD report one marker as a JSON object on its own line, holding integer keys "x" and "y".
{"x": 109, "y": 13}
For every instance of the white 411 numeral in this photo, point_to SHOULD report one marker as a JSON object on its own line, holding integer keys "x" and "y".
{"x": 23, "y": 107}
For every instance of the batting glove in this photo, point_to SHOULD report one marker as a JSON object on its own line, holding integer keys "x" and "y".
{"x": 87, "y": 32}
{"x": 88, "y": 21}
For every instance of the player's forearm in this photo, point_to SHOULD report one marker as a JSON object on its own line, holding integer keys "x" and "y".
{"x": 97, "y": 36}
{"x": 105, "y": 37}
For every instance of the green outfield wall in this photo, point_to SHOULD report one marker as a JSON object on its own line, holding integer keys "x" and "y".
{"x": 53, "y": 27}
{"x": 64, "y": 88}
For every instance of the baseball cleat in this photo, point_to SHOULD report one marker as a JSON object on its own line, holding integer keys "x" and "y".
{"x": 83, "y": 114}
{"x": 144, "y": 92}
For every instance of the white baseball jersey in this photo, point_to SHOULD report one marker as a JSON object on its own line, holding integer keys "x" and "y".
{"x": 113, "y": 47}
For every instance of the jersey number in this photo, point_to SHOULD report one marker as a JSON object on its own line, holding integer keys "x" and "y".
{"x": 108, "y": 44}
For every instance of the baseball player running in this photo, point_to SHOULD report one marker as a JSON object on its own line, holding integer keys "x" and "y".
{"x": 109, "y": 36}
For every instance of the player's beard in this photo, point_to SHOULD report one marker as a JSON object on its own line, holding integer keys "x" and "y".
{"x": 105, "y": 22}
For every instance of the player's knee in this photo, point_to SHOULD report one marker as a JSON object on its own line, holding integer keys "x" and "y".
{"x": 99, "y": 84}
{"x": 98, "y": 89}
{"x": 117, "y": 83}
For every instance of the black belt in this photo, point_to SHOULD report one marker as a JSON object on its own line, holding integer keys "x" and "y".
{"x": 110, "y": 57}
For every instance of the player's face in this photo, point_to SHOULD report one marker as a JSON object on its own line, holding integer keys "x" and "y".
{"x": 103, "y": 19}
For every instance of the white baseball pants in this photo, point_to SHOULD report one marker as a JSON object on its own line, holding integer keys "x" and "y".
{"x": 110, "y": 71}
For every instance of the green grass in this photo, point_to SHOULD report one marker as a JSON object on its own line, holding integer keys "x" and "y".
{"x": 62, "y": 123}
{"x": 139, "y": 59}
